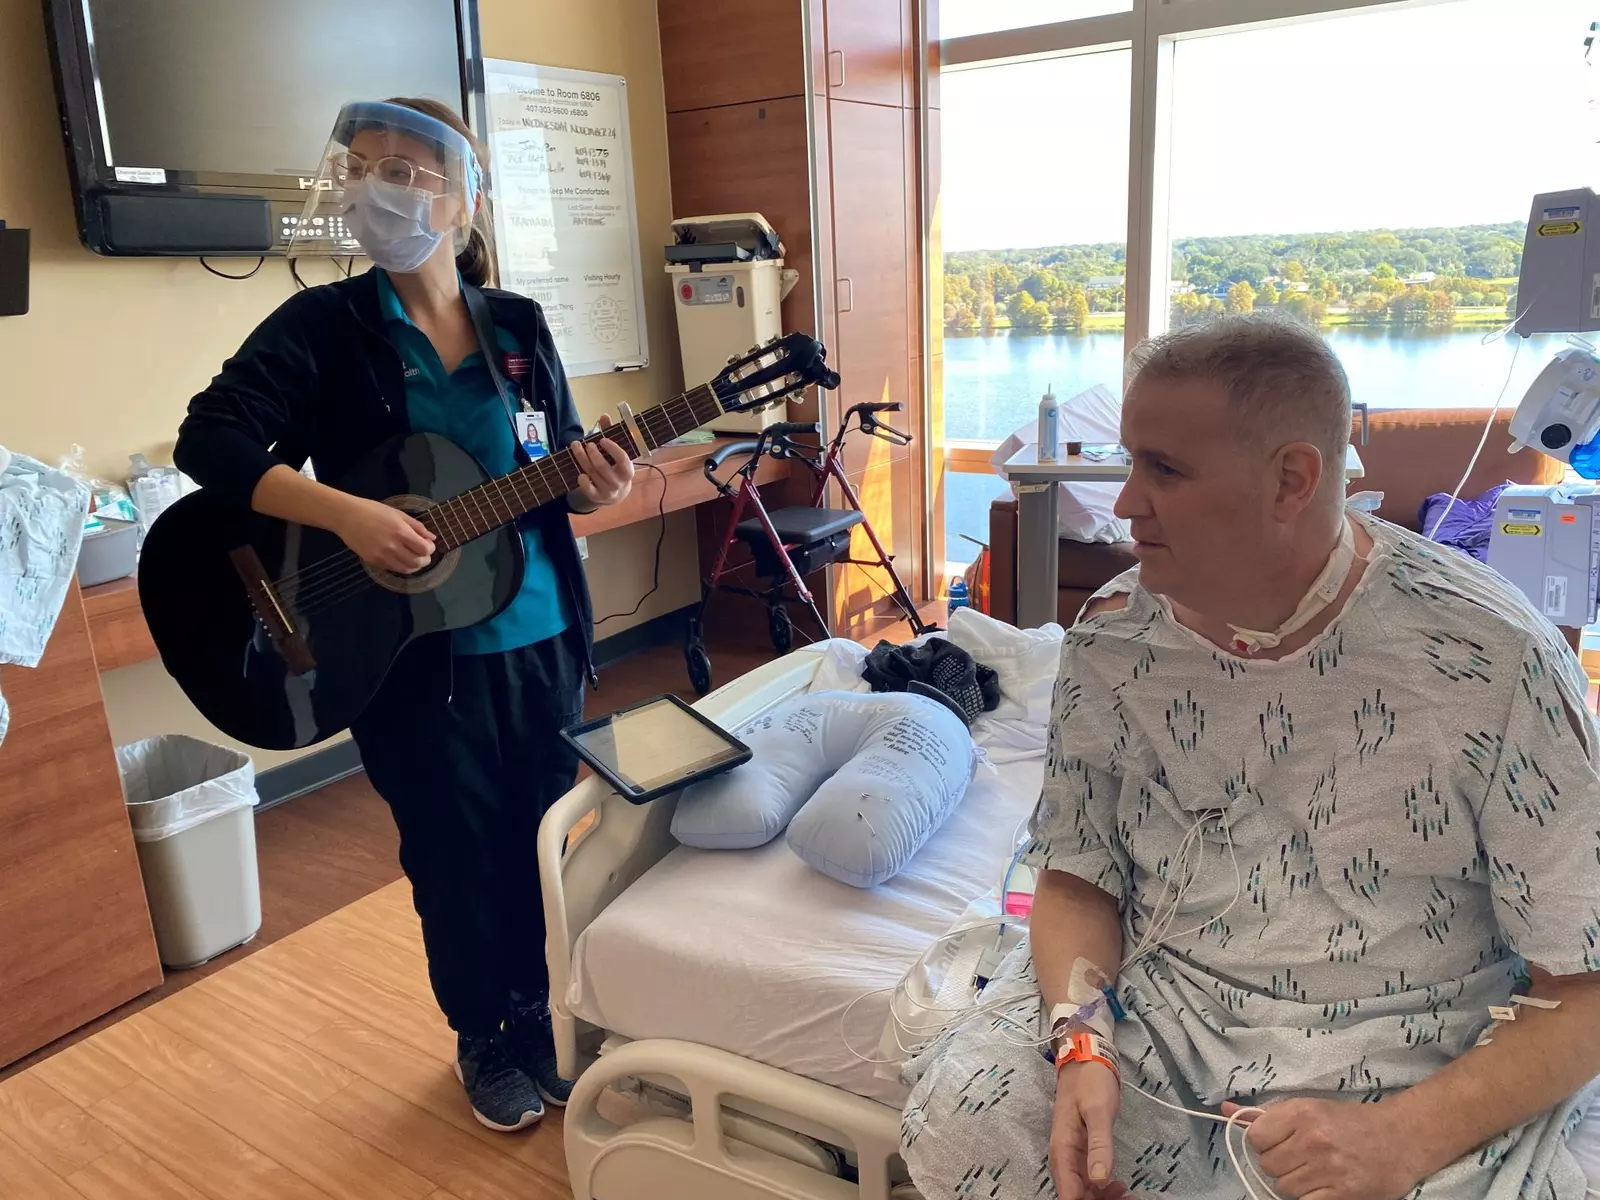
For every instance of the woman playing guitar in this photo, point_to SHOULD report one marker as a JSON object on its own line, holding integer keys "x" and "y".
{"x": 461, "y": 740}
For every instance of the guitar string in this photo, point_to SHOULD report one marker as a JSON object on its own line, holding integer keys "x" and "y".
{"x": 305, "y": 573}
{"x": 300, "y": 584}
{"x": 314, "y": 595}
{"x": 336, "y": 591}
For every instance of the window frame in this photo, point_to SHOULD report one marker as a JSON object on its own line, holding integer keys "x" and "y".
{"x": 1152, "y": 30}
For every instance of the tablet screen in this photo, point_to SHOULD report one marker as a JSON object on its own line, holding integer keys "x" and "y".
{"x": 654, "y": 744}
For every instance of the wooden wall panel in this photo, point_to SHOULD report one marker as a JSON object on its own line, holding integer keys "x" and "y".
{"x": 75, "y": 938}
{"x": 717, "y": 52}
{"x": 862, "y": 593}
{"x": 750, "y": 158}
{"x": 869, "y": 242}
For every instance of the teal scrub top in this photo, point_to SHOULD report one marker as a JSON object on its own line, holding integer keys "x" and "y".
{"x": 465, "y": 407}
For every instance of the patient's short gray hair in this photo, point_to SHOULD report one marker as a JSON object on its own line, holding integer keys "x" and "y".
{"x": 1282, "y": 380}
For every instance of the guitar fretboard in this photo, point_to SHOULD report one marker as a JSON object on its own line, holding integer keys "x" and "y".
{"x": 475, "y": 512}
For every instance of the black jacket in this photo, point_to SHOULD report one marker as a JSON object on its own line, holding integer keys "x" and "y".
{"x": 319, "y": 379}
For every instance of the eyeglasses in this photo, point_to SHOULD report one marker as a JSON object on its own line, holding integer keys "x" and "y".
{"x": 352, "y": 168}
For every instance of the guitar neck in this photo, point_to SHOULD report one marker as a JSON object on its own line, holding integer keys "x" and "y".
{"x": 501, "y": 501}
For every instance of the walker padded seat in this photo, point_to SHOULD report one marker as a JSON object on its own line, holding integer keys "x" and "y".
{"x": 800, "y": 526}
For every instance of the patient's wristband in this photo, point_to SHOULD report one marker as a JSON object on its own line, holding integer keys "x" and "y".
{"x": 1084, "y": 1045}
{"x": 1066, "y": 1017}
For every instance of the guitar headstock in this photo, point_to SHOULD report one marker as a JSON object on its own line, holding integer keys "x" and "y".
{"x": 770, "y": 374}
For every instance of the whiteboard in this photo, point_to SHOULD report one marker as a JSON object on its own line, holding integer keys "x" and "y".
{"x": 565, "y": 222}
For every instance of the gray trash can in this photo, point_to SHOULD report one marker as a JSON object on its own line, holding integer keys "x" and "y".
{"x": 192, "y": 808}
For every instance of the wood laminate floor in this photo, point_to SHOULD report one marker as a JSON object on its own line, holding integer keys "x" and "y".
{"x": 310, "y": 1064}
{"x": 317, "y": 1068}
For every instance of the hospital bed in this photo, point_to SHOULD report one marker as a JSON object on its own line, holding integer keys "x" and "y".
{"x": 700, "y": 997}
{"x": 703, "y": 993}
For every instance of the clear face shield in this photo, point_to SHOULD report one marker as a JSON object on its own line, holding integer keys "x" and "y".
{"x": 393, "y": 185}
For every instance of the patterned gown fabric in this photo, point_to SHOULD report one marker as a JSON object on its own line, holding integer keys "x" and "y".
{"x": 1413, "y": 806}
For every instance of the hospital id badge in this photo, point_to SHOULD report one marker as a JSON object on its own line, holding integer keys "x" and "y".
{"x": 533, "y": 433}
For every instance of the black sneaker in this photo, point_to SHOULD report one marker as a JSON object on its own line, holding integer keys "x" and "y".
{"x": 503, "y": 1097}
{"x": 534, "y": 1047}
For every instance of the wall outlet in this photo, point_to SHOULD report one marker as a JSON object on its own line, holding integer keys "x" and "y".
{"x": 583, "y": 549}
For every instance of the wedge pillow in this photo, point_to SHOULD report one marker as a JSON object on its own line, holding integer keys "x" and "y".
{"x": 860, "y": 781}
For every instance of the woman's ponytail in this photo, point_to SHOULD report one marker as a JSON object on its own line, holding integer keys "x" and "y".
{"x": 476, "y": 263}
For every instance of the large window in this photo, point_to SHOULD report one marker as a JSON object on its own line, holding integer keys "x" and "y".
{"x": 1035, "y": 218}
{"x": 1389, "y": 211}
{"x": 959, "y": 18}
{"x": 1367, "y": 168}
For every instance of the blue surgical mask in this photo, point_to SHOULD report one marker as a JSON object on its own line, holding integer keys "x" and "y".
{"x": 393, "y": 224}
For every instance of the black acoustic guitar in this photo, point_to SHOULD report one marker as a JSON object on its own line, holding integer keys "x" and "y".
{"x": 280, "y": 635}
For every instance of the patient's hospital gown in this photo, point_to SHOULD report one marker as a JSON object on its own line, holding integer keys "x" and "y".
{"x": 1414, "y": 816}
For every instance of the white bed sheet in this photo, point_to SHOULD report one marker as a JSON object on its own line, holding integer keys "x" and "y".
{"x": 755, "y": 953}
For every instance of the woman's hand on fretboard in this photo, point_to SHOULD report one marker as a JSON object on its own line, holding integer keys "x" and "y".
{"x": 607, "y": 473}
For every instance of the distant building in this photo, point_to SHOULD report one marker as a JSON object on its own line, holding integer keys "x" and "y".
{"x": 1105, "y": 283}
{"x": 1420, "y": 278}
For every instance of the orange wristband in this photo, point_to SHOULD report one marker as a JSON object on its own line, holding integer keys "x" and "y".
{"x": 1085, "y": 1045}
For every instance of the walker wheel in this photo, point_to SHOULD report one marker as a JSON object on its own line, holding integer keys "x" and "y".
{"x": 781, "y": 628}
{"x": 699, "y": 663}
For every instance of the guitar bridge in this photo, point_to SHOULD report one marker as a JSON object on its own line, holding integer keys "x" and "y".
{"x": 269, "y": 610}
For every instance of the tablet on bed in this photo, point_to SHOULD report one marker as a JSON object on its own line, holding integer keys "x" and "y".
{"x": 656, "y": 746}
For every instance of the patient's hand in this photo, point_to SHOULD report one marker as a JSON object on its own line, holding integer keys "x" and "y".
{"x": 1332, "y": 1149}
{"x": 1087, "y": 1097}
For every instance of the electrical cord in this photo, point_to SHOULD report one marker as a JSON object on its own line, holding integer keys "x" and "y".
{"x": 1516, "y": 351}
{"x": 1488, "y": 339}
{"x": 1163, "y": 915}
{"x": 661, "y": 537}
{"x": 294, "y": 269}
{"x": 260, "y": 262}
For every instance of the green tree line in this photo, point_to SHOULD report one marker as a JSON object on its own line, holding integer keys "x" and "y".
{"x": 1402, "y": 277}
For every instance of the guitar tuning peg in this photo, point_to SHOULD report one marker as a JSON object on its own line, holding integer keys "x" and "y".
{"x": 732, "y": 358}
{"x": 774, "y": 340}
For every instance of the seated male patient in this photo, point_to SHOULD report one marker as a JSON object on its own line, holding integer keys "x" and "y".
{"x": 1381, "y": 760}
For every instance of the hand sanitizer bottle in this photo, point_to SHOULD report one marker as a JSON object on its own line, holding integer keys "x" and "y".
{"x": 1049, "y": 428}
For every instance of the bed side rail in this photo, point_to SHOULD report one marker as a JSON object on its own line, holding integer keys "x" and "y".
{"x": 701, "y": 1157}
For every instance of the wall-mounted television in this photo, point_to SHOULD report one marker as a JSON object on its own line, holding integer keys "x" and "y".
{"x": 195, "y": 127}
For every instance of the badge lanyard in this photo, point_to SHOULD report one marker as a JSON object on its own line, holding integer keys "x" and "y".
{"x": 483, "y": 326}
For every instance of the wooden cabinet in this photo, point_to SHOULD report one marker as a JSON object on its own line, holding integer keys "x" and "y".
{"x": 837, "y": 171}
{"x": 868, "y": 46}
{"x": 75, "y": 938}
{"x": 762, "y": 145}
{"x": 719, "y": 52}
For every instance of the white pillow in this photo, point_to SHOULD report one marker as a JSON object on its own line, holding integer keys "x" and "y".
{"x": 910, "y": 767}
{"x": 753, "y": 803}
{"x": 861, "y": 781}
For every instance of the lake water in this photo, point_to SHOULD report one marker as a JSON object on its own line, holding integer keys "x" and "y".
{"x": 992, "y": 386}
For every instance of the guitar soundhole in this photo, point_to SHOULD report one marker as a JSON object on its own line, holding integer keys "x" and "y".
{"x": 432, "y": 575}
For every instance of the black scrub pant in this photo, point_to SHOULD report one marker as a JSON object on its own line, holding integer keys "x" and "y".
{"x": 466, "y": 752}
